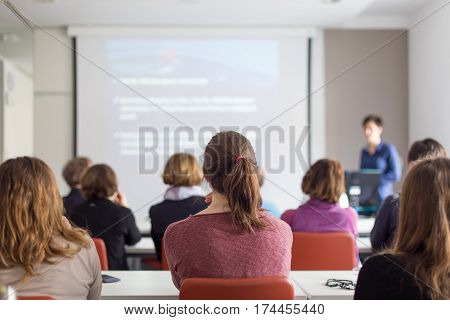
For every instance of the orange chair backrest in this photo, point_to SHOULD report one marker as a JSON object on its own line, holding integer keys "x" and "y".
{"x": 164, "y": 262}
{"x": 323, "y": 251}
{"x": 102, "y": 253}
{"x": 35, "y": 298}
{"x": 264, "y": 288}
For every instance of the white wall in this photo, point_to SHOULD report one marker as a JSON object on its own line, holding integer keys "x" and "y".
{"x": 377, "y": 85}
{"x": 429, "y": 76}
{"x": 318, "y": 107}
{"x": 16, "y": 108}
{"x": 53, "y": 117}
{"x": 16, "y": 92}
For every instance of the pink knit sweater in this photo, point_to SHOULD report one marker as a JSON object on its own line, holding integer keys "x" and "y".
{"x": 208, "y": 246}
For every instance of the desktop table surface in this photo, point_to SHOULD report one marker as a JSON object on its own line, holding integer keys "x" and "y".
{"x": 365, "y": 225}
{"x": 140, "y": 285}
{"x": 151, "y": 285}
{"x": 145, "y": 246}
{"x": 313, "y": 284}
{"x": 157, "y": 285}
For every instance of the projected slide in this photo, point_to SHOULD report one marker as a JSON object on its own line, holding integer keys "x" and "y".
{"x": 166, "y": 95}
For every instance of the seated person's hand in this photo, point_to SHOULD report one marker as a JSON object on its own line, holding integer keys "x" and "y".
{"x": 120, "y": 199}
{"x": 208, "y": 198}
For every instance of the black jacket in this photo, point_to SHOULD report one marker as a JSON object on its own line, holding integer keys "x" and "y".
{"x": 112, "y": 223}
{"x": 385, "y": 277}
{"x": 386, "y": 223}
{"x": 73, "y": 199}
{"x": 170, "y": 211}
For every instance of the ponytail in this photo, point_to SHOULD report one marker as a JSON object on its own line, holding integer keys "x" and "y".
{"x": 241, "y": 188}
{"x": 230, "y": 167}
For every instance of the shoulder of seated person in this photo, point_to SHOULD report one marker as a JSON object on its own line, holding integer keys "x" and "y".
{"x": 64, "y": 242}
{"x": 288, "y": 211}
{"x": 179, "y": 224}
{"x": 393, "y": 199}
{"x": 379, "y": 260}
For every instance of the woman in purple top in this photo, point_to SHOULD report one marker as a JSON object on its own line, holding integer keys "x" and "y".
{"x": 324, "y": 183}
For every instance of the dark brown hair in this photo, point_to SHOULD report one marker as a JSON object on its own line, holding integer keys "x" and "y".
{"x": 427, "y": 148}
{"x": 74, "y": 169}
{"x": 31, "y": 217}
{"x": 423, "y": 233}
{"x": 99, "y": 182}
{"x": 324, "y": 181}
{"x": 182, "y": 169}
{"x": 373, "y": 118}
{"x": 231, "y": 169}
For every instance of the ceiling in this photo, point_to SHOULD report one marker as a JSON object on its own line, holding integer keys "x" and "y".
{"x": 310, "y": 13}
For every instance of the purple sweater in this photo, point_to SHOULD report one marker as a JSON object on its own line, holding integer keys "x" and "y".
{"x": 209, "y": 246}
{"x": 320, "y": 216}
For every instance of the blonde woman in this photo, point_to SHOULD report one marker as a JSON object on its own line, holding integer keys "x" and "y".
{"x": 418, "y": 265}
{"x": 183, "y": 197}
{"x": 40, "y": 253}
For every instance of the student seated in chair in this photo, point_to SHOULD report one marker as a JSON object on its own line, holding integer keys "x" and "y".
{"x": 324, "y": 184}
{"x": 233, "y": 237}
{"x": 418, "y": 265}
{"x": 105, "y": 214}
{"x": 72, "y": 172}
{"x": 183, "y": 198}
{"x": 41, "y": 254}
{"x": 386, "y": 222}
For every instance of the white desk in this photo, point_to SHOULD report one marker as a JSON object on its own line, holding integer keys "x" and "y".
{"x": 143, "y": 224}
{"x": 152, "y": 285}
{"x": 365, "y": 225}
{"x": 140, "y": 285}
{"x": 143, "y": 247}
{"x": 313, "y": 284}
{"x": 364, "y": 245}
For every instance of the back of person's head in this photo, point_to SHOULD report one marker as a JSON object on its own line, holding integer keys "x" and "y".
{"x": 31, "y": 216}
{"x": 230, "y": 168}
{"x": 74, "y": 169}
{"x": 427, "y": 148}
{"x": 372, "y": 118}
{"x": 324, "y": 181}
{"x": 423, "y": 233}
{"x": 99, "y": 182}
{"x": 182, "y": 169}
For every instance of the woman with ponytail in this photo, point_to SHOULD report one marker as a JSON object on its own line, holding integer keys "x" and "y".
{"x": 233, "y": 237}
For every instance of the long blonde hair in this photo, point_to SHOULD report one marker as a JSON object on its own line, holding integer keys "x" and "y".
{"x": 423, "y": 234}
{"x": 31, "y": 217}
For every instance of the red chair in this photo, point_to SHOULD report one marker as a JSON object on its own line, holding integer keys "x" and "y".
{"x": 102, "y": 253}
{"x": 154, "y": 262}
{"x": 35, "y": 298}
{"x": 323, "y": 251}
{"x": 264, "y": 288}
{"x": 164, "y": 262}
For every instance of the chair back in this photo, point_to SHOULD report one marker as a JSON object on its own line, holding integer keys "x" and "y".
{"x": 164, "y": 262}
{"x": 323, "y": 251}
{"x": 264, "y": 288}
{"x": 102, "y": 253}
{"x": 35, "y": 298}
